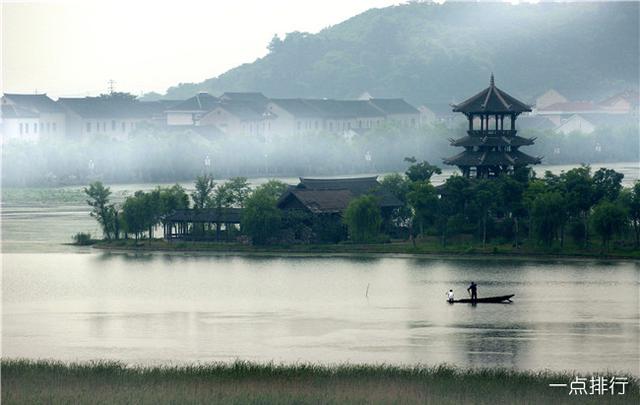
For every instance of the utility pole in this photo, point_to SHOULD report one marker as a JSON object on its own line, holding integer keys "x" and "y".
{"x": 111, "y": 85}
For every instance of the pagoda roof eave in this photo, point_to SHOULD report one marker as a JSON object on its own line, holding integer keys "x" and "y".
{"x": 492, "y": 158}
{"x": 491, "y": 100}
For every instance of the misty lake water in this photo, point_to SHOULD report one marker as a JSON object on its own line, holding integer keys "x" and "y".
{"x": 69, "y": 303}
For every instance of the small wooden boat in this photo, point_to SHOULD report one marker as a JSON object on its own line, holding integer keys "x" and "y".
{"x": 495, "y": 300}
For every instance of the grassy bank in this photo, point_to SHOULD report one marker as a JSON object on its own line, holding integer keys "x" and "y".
{"x": 427, "y": 247}
{"x": 245, "y": 383}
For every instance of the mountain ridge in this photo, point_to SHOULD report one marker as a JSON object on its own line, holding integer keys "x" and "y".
{"x": 437, "y": 54}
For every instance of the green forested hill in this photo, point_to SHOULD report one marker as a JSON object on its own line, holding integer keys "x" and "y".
{"x": 436, "y": 54}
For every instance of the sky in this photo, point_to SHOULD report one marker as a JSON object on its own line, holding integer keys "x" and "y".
{"x": 73, "y": 48}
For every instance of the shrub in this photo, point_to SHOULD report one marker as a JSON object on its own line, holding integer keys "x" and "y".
{"x": 82, "y": 239}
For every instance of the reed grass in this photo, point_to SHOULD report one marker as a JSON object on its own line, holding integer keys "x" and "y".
{"x": 109, "y": 382}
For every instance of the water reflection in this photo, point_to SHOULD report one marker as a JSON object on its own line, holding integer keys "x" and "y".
{"x": 156, "y": 308}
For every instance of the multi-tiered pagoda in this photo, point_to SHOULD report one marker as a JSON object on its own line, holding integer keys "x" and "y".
{"x": 489, "y": 148}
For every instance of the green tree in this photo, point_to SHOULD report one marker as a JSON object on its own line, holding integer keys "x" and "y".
{"x": 363, "y": 218}
{"x": 398, "y": 185}
{"x": 608, "y": 218}
{"x": 511, "y": 200}
{"x": 421, "y": 171}
{"x": 607, "y": 184}
{"x": 260, "y": 217}
{"x": 577, "y": 185}
{"x": 630, "y": 200}
{"x": 101, "y": 210}
{"x": 134, "y": 215}
{"x": 484, "y": 198}
{"x": 423, "y": 198}
{"x": 548, "y": 215}
{"x": 273, "y": 188}
{"x": 239, "y": 190}
{"x": 204, "y": 187}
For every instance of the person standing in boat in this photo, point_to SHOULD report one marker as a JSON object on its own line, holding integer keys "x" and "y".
{"x": 450, "y": 296}
{"x": 473, "y": 289}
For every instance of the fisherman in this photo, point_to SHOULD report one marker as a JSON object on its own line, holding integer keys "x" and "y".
{"x": 450, "y": 296}
{"x": 473, "y": 289}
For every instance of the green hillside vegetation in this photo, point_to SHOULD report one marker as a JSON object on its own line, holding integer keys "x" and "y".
{"x": 434, "y": 54}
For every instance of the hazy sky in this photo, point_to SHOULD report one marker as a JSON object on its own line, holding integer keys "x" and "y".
{"x": 74, "y": 48}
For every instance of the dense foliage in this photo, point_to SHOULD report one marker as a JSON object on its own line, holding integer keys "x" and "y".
{"x": 421, "y": 51}
{"x": 514, "y": 207}
{"x": 363, "y": 219}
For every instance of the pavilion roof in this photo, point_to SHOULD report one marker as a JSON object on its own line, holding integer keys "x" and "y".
{"x": 492, "y": 141}
{"x": 492, "y": 158}
{"x": 491, "y": 100}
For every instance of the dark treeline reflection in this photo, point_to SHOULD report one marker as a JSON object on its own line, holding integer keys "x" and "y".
{"x": 156, "y": 155}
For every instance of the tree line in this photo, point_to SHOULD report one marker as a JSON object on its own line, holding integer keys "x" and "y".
{"x": 516, "y": 208}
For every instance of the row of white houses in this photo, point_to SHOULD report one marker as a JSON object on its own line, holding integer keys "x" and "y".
{"x": 33, "y": 116}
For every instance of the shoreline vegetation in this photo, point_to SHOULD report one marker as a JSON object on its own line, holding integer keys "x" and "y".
{"x": 98, "y": 382}
{"x": 426, "y": 248}
{"x": 575, "y": 214}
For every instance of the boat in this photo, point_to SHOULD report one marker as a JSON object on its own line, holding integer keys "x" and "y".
{"x": 495, "y": 300}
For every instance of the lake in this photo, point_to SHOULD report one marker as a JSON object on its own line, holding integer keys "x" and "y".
{"x": 175, "y": 308}
{"x": 76, "y": 303}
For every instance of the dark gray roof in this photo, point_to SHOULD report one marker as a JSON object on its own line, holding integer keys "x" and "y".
{"x": 230, "y": 215}
{"x": 297, "y": 107}
{"x": 359, "y": 185}
{"x": 492, "y": 158}
{"x": 14, "y": 111}
{"x": 319, "y": 201}
{"x": 356, "y": 185}
{"x": 244, "y": 111}
{"x": 102, "y": 107}
{"x": 199, "y": 102}
{"x": 247, "y": 97}
{"x": 491, "y": 100}
{"x": 492, "y": 141}
{"x": 39, "y": 103}
{"x": 393, "y": 106}
{"x": 344, "y": 108}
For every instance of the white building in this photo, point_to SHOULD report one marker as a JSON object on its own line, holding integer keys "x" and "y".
{"x": 31, "y": 117}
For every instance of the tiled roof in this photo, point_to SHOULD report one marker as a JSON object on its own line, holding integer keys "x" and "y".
{"x": 249, "y": 97}
{"x": 492, "y": 141}
{"x": 14, "y": 111}
{"x": 244, "y": 111}
{"x": 297, "y": 107}
{"x": 199, "y": 102}
{"x": 319, "y": 201}
{"x": 356, "y": 185}
{"x": 39, "y": 103}
{"x": 100, "y": 107}
{"x": 491, "y": 158}
{"x": 344, "y": 108}
{"x": 393, "y": 106}
{"x": 491, "y": 100}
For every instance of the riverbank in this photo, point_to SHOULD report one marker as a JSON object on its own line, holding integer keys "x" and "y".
{"x": 426, "y": 248}
{"x": 25, "y": 381}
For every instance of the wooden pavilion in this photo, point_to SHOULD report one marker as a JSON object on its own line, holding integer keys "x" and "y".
{"x": 213, "y": 224}
{"x": 491, "y": 149}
